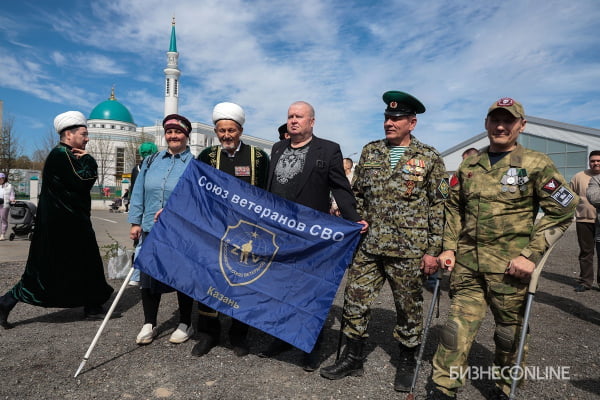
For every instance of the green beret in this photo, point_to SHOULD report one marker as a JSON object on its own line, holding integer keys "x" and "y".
{"x": 400, "y": 104}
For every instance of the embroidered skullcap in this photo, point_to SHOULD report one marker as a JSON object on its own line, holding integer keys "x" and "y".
{"x": 229, "y": 111}
{"x": 179, "y": 122}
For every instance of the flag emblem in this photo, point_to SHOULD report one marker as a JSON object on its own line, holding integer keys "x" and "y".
{"x": 246, "y": 253}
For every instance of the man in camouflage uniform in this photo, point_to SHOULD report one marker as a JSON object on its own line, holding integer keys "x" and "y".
{"x": 400, "y": 186}
{"x": 492, "y": 243}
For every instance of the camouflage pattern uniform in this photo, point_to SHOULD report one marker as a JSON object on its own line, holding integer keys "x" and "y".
{"x": 404, "y": 208}
{"x": 490, "y": 219}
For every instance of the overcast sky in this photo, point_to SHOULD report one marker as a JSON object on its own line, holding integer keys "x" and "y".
{"x": 457, "y": 57}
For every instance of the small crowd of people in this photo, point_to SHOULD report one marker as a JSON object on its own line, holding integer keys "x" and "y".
{"x": 479, "y": 223}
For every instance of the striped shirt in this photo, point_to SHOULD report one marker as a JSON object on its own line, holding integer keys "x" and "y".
{"x": 396, "y": 152}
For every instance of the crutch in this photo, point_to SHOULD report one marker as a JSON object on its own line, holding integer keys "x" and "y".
{"x": 530, "y": 295}
{"x": 106, "y": 318}
{"x": 436, "y": 294}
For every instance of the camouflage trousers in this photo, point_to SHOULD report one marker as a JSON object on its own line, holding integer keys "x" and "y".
{"x": 366, "y": 277}
{"x": 472, "y": 292}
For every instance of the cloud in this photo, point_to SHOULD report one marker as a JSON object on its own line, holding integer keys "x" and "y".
{"x": 456, "y": 57}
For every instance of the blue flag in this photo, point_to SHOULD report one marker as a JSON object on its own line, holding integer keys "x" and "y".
{"x": 266, "y": 261}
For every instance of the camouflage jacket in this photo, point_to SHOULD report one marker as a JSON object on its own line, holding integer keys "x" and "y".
{"x": 404, "y": 206}
{"x": 491, "y": 211}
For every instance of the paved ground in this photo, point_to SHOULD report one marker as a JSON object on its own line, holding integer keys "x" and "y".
{"x": 40, "y": 355}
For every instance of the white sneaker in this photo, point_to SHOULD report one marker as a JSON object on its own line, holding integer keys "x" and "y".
{"x": 2, "y": 237}
{"x": 181, "y": 334}
{"x": 134, "y": 283}
{"x": 146, "y": 335}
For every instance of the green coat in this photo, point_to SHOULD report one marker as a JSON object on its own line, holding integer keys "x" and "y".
{"x": 491, "y": 212}
{"x": 64, "y": 267}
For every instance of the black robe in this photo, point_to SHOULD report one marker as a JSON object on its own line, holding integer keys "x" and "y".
{"x": 64, "y": 268}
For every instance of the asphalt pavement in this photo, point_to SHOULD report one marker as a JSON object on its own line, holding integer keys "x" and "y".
{"x": 39, "y": 356}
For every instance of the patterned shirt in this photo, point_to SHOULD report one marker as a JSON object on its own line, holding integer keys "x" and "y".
{"x": 288, "y": 171}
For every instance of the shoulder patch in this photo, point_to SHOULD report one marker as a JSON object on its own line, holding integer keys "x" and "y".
{"x": 551, "y": 186}
{"x": 563, "y": 196}
{"x": 453, "y": 180}
{"x": 443, "y": 188}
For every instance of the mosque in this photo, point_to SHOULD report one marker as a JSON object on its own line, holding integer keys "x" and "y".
{"x": 115, "y": 136}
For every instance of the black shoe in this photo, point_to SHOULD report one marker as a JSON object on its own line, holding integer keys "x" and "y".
{"x": 350, "y": 364}
{"x": 205, "y": 343}
{"x": 240, "y": 346}
{"x": 581, "y": 288}
{"x": 311, "y": 361}
{"x": 276, "y": 347}
{"x": 97, "y": 313}
{"x": 437, "y": 394}
{"x": 7, "y": 303}
{"x": 498, "y": 394}
{"x": 406, "y": 369}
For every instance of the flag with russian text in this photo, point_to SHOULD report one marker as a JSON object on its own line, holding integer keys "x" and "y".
{"x": 266, "y": 261}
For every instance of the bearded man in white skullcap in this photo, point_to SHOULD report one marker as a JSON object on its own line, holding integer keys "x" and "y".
{"x": 64, "y": 268}
{"x": 249, "y": 164}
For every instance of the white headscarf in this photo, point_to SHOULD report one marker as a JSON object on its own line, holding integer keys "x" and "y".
{"x": 229, "y": 111}
{"x": 67, "y": 119}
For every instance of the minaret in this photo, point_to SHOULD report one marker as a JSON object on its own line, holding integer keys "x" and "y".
{"x": 172, "y": 76}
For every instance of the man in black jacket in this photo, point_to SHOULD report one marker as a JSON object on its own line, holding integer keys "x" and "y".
{"x": 305, "y": 169}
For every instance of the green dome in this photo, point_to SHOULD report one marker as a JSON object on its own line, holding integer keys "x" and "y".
{"x": 112, "y": 109}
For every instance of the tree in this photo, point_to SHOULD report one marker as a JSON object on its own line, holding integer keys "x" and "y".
{"x": 23, "y": 162}
{"x": 43, "y": 148}
{"x": 102, "y": 149}
{"x": 131, "y": 149}
{"x": 10, "y": 149}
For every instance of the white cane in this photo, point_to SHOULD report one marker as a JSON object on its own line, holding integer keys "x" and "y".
{"x": 106, "y": 318}
{"x": 530, "y": 295}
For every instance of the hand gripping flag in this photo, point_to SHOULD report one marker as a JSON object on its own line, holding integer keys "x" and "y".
{"x": 269, "y": 262}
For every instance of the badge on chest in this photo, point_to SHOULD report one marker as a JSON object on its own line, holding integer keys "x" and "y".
{"x": 242, "y": 170}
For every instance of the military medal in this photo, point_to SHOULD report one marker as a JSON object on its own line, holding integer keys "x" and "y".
{"x": 514, "y": 177}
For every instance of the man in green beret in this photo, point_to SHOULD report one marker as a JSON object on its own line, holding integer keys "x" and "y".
{"x": 492, "y": 244}
{"x": 400, "y": 186}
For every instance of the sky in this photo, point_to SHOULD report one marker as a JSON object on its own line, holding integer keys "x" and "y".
{"x": 457, "y": 57}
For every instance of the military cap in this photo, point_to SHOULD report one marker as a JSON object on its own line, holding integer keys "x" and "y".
{"x": 400, "y": 104}
{"x": 510, "y": 105}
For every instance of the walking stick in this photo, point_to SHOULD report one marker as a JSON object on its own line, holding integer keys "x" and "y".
{"x": 436, "y": 294}
{"x": 106, "y": 318}
{"x": 530, "y": 295}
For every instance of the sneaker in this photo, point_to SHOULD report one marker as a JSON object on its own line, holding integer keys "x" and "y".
{"x": 134, "y": 283}
{"x": 2, "y": 237}
{"x": 146, "y": 335}
{"x": 181, "y": 334}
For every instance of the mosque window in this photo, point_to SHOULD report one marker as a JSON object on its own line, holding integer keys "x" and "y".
{"x": 120, "y": 158}
{"x": 176, "y": 87}
{"x": 168, "y": 87}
